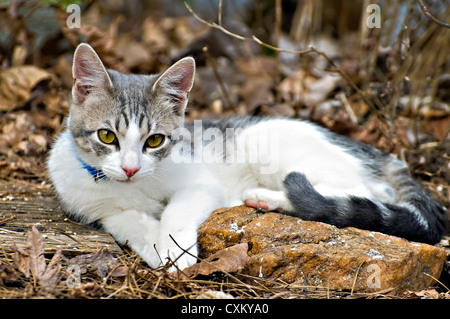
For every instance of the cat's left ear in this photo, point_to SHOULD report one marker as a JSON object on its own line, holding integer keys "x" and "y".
{"x": 89, "y": 73}
{"x": 176, "y": 83}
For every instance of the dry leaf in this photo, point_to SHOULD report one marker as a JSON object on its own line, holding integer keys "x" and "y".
{"x": 7, "y": 274}
{"x": 87, "y": 290}
{"x": 21, "y": 260}
{"x": 231, "y": 259}
{"x": 35, "y": 249}
{"x": 429, "y": 294}
{"x": 213, "y": 294}
{"x": 32, "y": 260}
{"x": 256, "y": 92}
{"x": 320, "y": 89}
{"x": 102, "y": 42}
{"x": 102, "y": 262}
{"x": 16, "y": 84}
{"x": 52, "y": 273}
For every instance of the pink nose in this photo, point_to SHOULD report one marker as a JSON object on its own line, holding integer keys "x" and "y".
{"x": 130, "y": 171}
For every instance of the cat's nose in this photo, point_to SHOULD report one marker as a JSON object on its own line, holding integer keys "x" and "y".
{"x": 130, "y": 171}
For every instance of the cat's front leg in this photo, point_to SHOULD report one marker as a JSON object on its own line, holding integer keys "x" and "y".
{"x": 139, "y": 230}
{"x": 186, "y": 211}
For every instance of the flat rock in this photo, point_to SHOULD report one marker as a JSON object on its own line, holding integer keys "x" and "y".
{"x": 321, "y": 255}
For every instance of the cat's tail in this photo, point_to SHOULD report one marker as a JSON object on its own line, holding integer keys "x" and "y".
{"x": 415, "y": 215}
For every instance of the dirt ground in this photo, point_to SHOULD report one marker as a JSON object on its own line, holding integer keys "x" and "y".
{"x": 324, "y": 61}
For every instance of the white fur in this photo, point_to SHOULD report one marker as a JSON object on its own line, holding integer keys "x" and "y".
{"x": 132, "y": 211}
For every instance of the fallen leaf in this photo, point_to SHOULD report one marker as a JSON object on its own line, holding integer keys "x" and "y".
{"x": 87, "y": 290}
{"x": 102, "y": 42}
{"x": 16, "y": 84}
{"x": 256, "y": 92}
{"x": 428, "y": 294}
{"x": 214, "y": 294}
{"x": 32, "y": 260}
{"x": 231, "y": 259}
{"x": 320, "y": 89}
{"x": 52, "y": 273}
{"x": 7, "y": 274}
{"x": 21, "y": 260}
{"x": 35, "y": 249}
{"x": 102, "y": 262}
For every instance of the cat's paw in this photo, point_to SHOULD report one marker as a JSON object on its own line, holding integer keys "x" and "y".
{"x": 180, "y": 258}
{"x": 266, "y": 199}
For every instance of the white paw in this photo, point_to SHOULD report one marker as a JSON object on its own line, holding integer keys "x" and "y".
{"x": 266, "y": 199}
{"x": 181, "y": 258}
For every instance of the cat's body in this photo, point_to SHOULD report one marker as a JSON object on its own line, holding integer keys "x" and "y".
{"x": 151, "y": 178}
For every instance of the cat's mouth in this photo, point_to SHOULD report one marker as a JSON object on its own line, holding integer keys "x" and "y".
{"x": 126, "y": 181}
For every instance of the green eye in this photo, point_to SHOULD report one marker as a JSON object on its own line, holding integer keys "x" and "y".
{"x": 106, "y": 136}
{"x": 155, "y": 140}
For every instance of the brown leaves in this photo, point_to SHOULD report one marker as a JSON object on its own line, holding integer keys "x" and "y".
{"x": 21, "y": 149}
{"x": 8, "y": 274}
{"x": 32, "y": 260}
{"x": 430, "y": 294}
{"x": 16, "y": 84}
{"x": 102, "y": 42}
{"x": 228, "y": 260}
{"x": 102, "y": 262}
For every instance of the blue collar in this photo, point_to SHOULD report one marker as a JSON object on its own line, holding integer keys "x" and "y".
{"x": 97, "y": 174}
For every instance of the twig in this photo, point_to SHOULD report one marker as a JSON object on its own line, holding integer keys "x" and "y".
{"x": 354, "y": 279}
{"x": 212, "y": 24}
{"x": 185, "y": 251}
{"x": 219, "y": 269}
{"x": 220, "y": 12}
{"x": 219, "y": 79}
{"x": 431, "y": 17}
{"x": 8, "y": 219}
{"x": 347, "y": 107}
{"x": 448, "y": 290}
{"x": 75, "y": 240}
{"x": 278, "y": 17}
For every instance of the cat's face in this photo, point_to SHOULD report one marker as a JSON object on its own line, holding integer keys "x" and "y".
{"x": 123, "y": 124}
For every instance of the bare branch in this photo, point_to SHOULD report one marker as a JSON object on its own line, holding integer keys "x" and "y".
{"x": 214, "y": 25}
{"x": 431, "y": 17}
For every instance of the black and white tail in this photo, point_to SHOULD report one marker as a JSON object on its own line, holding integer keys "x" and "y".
{"x": 414, "y": 215}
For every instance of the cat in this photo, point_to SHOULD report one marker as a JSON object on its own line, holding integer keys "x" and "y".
{"x": 127, "y": 163}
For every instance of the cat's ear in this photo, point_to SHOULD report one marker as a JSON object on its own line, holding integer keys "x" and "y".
{"x": 176, "y": 83}
{"x": 88, "y": 72}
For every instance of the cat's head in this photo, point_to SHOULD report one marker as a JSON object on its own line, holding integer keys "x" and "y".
{"x": 122, "y": 124}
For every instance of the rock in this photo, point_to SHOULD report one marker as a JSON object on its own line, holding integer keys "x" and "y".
{"x": 317, "y": 254}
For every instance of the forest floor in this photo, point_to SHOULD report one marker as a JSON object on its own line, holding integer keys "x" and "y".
{"x": 392, "y": 94}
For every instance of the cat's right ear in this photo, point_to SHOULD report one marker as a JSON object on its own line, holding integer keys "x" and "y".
{"x": 88, "y": 73}
{"x": 176, "y": 83}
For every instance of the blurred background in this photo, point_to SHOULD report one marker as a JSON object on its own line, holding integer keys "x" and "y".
{"x": 378, "y": 74}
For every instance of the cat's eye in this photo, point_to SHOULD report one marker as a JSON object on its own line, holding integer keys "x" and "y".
{"x": 155, "y": 140}
{"x": 106, "y": 136}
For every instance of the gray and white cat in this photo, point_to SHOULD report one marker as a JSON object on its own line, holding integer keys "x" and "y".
{"x": 127, "y": 162}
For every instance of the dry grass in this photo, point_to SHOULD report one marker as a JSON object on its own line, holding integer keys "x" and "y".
{"x": 141, "y": 282}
